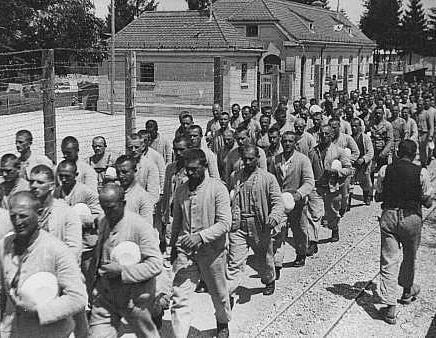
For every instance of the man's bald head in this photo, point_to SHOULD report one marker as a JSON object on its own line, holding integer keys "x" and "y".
{"x": 25, "y": 199}
{"x": 112, "y": 192}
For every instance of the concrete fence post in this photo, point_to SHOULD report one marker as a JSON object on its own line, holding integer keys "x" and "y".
{"x": 48, "y": 104}
{"x": 130, "y": 93}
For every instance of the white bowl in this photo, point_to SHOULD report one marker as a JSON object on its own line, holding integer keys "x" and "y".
{"x": 84, "y": 212}
{"x": 336, "y": 165}
{"x": 39, "y": 288}
{"x": 126, "y": 253}
{"x": 288, "y": 202}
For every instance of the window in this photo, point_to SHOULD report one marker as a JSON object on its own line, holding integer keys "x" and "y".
{"x": 328, "y": 70}
{"x": 252, "y": 31}
{"x": 340, "y": 68}
{"x": 350, "y": 62}
{"x": 244, "y": 68}
{"x": 367, "y": 66}
{"x": 312, "y": 68}
{"x": 146, "y": 72}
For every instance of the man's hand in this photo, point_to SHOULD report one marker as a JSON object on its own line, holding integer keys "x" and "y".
{"x": 272, "y": 223}
{"x": 111, "y": 270}
{"x": 191, "y": 242}
{"x": 21, "y": 305}
{"x": 360, "y": 161}
{"x": 296, "y": 195}
{"x": 173, "y": 254}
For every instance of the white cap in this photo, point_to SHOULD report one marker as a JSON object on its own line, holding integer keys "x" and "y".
{"x": 126, "y": 253}
{"x": 347, "y": 152}
{"x": 336, "y": 165}
{"x": 39, "y": 288}
{"x": 84, "y": 213}
{"x": 288, "y": 202}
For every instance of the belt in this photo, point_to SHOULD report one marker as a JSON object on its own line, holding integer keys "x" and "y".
{"x": 247, "y": 215}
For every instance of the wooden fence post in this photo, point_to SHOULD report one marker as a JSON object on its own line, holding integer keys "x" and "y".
{"x": 130, "y": 94}
{"x": 48, "y": 105}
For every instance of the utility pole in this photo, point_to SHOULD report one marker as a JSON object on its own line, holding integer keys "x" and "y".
{"x": 112, "y": 86}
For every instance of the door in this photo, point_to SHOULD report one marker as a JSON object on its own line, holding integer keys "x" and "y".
{"x": 345, "y": 79}
{"x": 268, "y": 90}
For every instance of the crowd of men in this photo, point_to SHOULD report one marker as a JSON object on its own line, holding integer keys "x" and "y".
{"x": 199, "y": 203}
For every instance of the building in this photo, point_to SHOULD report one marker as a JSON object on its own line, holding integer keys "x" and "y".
{"x": 261, "y": 49}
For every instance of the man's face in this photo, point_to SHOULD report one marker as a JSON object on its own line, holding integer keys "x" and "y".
{"x": 242, "y": 138}
{"x": 23, "y": 217}
{"x": 235, "y": 110}
{"x": 336, "y": 128}
{"x": 426, "y": 103}
{"x": 303, "y": 102}
{"x": 98, "y": 146}
{"x": 397, "y": 99}
{"x": 126, "y": 174}
{"x": 264, "y": 123}
{"x": 356, "y": 128}
{"x": 152, "y": 129}
{"x": 216, "y": 111}
{"x": 70, "y": 152}
{"x": 178, "y": 149}
{"x": 229, "y": 140}
{"x": 299, "y": 127}
{"x": 40, "y": 185}
{"x": 297, "y": 106}
{"x": 135, "y": 148}
{"x": 9, "y": 171}
{"x": 378, "y": 114}
{"x": 249, "y": 160}
{"x": 327, "y": 97}
{"x": 186, "y": 123}
{"x": 22, "y": 144}
{"x": 317, "y": 120}
{"x": 304, "y": 114}
{"x": 224, "y": 121}
{"x": 112, "y": 207}
{"x": 395, "y": 111}
{"x": 289, "y": 143}
{"x": 195, "y": 172}
{"x": 246, "y": 114}
{"x": 195, "y": 137}
{"x": 325, "y": 135}
{"x": 349, "y": 113}
{"x": 405, "y": 113}
{"x": 380, "y": 103}
{"x": 267, "y": 111}
{"x": 255, "y": 106}
{"x": 67, "y": 176}
{"x": 274, "y": 138}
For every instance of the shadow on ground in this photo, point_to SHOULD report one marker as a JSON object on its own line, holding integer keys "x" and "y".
{"x": 431, "y": 333}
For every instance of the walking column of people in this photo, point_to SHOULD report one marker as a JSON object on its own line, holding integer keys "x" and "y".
{"x": 90, "y": 245}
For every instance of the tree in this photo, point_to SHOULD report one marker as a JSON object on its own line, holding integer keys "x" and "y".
{"x": 322, "y": 3}
{"x": 381, "y": 22}
{"x": 127, "y": 10}
{"x": 413, "y": 28}
{"x": 198, "y": 4}
{"x": 431, "y": 33}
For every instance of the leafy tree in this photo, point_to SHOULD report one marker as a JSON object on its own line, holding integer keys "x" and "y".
{"x": 413, "y": 27}
{"x": 198, "y": 4}
{"x": 381, "y": 22}
{"x": 127, "y": 10}
{"x": 430, "y": 43}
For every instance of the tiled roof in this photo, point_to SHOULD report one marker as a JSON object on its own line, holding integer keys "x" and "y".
{"x": 193, "y": 30}
{"x": 302, "y": 22}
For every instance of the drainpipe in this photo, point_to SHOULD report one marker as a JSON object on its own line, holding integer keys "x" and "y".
{"x": 358, "y": 68}
{"x": 322, "y": 72}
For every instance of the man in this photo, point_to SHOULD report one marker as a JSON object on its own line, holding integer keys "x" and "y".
{"x": 236, "y": 118}
{"x": 137, "y": 199}
{"x": 257, "y": 196}
{"x": 12, "y": 182}
{"x": 282, "y": 122}
{"x": 328, "y": 180}
{"x": 24, "y": 253}
{"x": 186, "y": 120}
{"x": 101, "y": 160}
{"x": 228, "y": 145}
{"x": 382, "y": 138}
{"x": 250, "y": 124}
{"x": 362, "y": 165}
{"x": 217, "y": 142}
{"x": 263, "y": 141}
{"x": 56, "y": 216}
{"x": 255, "y": 111}
{"x": 344, "y": 141}
{"x": 411, "y": 128}
{"x": 318, "y": 120}
{"x": 202, "y": 219}
{"x": 27, "y": 158}
{"x": 294, "y": 174}
{"x": 233, "y": 159}
{"x": 214, "y": 124}
{"x": 195, "y": 134}
{"x": 158, "y": 142}
{"x": 402, "y": 187}
{"x": 305, "y": 141}
{"x": 275, "y": 147}
{"x": 398, "y": 129}
{"x": 85, "y": 174}
{"x": 431, "y": 111}
{"x": 147, "y": 172}
{"x": 123, "y": 291}
{"x": 345, "y": 126}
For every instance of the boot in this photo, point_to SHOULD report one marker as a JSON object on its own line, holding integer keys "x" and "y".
{"x": 312, "y": 249}
{"x": 335, "y": 235}
{"x": 410, "y": 294}
{"x": 388, "y": 314}
{"x": 278, "y": 270}
{"x": 222, "y": 330}
{"x": 269, "y": 288}
{"x": 299, "y": 262}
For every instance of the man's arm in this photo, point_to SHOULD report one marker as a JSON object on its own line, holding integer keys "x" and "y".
{"x": 212, "y": 165}
{"x": 262, "y": 159}
{"x": 152, "y": 181}
{"x": 223, "y": 215}
{"x": 307, "y": 178}
{"x": 389, "y": 140}
{"x": 369, "y": 155}
{"x": 352, "y": 145}
{"x": 177, "y": 224}
{"x": 146, "y": 207}
{"x": 426, "y": 188}
{"x": 73, "y": 233}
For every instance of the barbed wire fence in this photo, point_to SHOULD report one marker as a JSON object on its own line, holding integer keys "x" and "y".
{"x": 62, "y": 92}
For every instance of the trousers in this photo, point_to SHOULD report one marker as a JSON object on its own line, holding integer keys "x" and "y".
{"x": 363, "y": 177}
{"x": 399, "y": 228}
{"x": 210, "y": 264}
{"x": 423, "y": 147}
{"x": 315, "y": 212}
{"x": 239, "y": 244}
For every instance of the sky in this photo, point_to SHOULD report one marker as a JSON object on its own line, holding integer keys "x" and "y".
{"x": 354, "y": 8}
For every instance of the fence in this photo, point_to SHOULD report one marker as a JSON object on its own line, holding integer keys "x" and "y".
{"x": 56, "y": 93}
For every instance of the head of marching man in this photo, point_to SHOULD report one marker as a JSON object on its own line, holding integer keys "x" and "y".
{"x": 24, "y": 214}
{"x": 23, "y": 141}
{"x": 180, "y": 144}
{"x": 289, "y": 142}
{"x": 135, "y": 146}
{"x": 126, "y": 170}
{"x": 112, "y": 202}
{"x": 242, "y": 137}
{"x": 67, "y": 173}
{"x": 70, "y": 148}
{"x": 42, "y": 182}
{"x": 250, "y": 158}
{"x": 195, "y": 163}
{"x": 10, "y": 168}
{"x": 325, "y": 135}
{"x": 195, "y": 134}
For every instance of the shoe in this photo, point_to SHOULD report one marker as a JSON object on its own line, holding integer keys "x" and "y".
{"x": 269, "y": 289}
{"x": 409, "y": 297}
{"x": 201, "y": 287}
{"x": 324, "y": 222}
{"x": 222, "y": 330}
{"x": 312, "y": 249}
{"x": 232, "y": 302}
{"x": 367, "y": 199}
{"x": 388, "y": 314}
{"x": 157, "y": 320}
{"x": 342, "y": 211}
{"x": 299, "y": 262}
{"x": 335, "y": 236}
{"x": 278, "y": 270}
